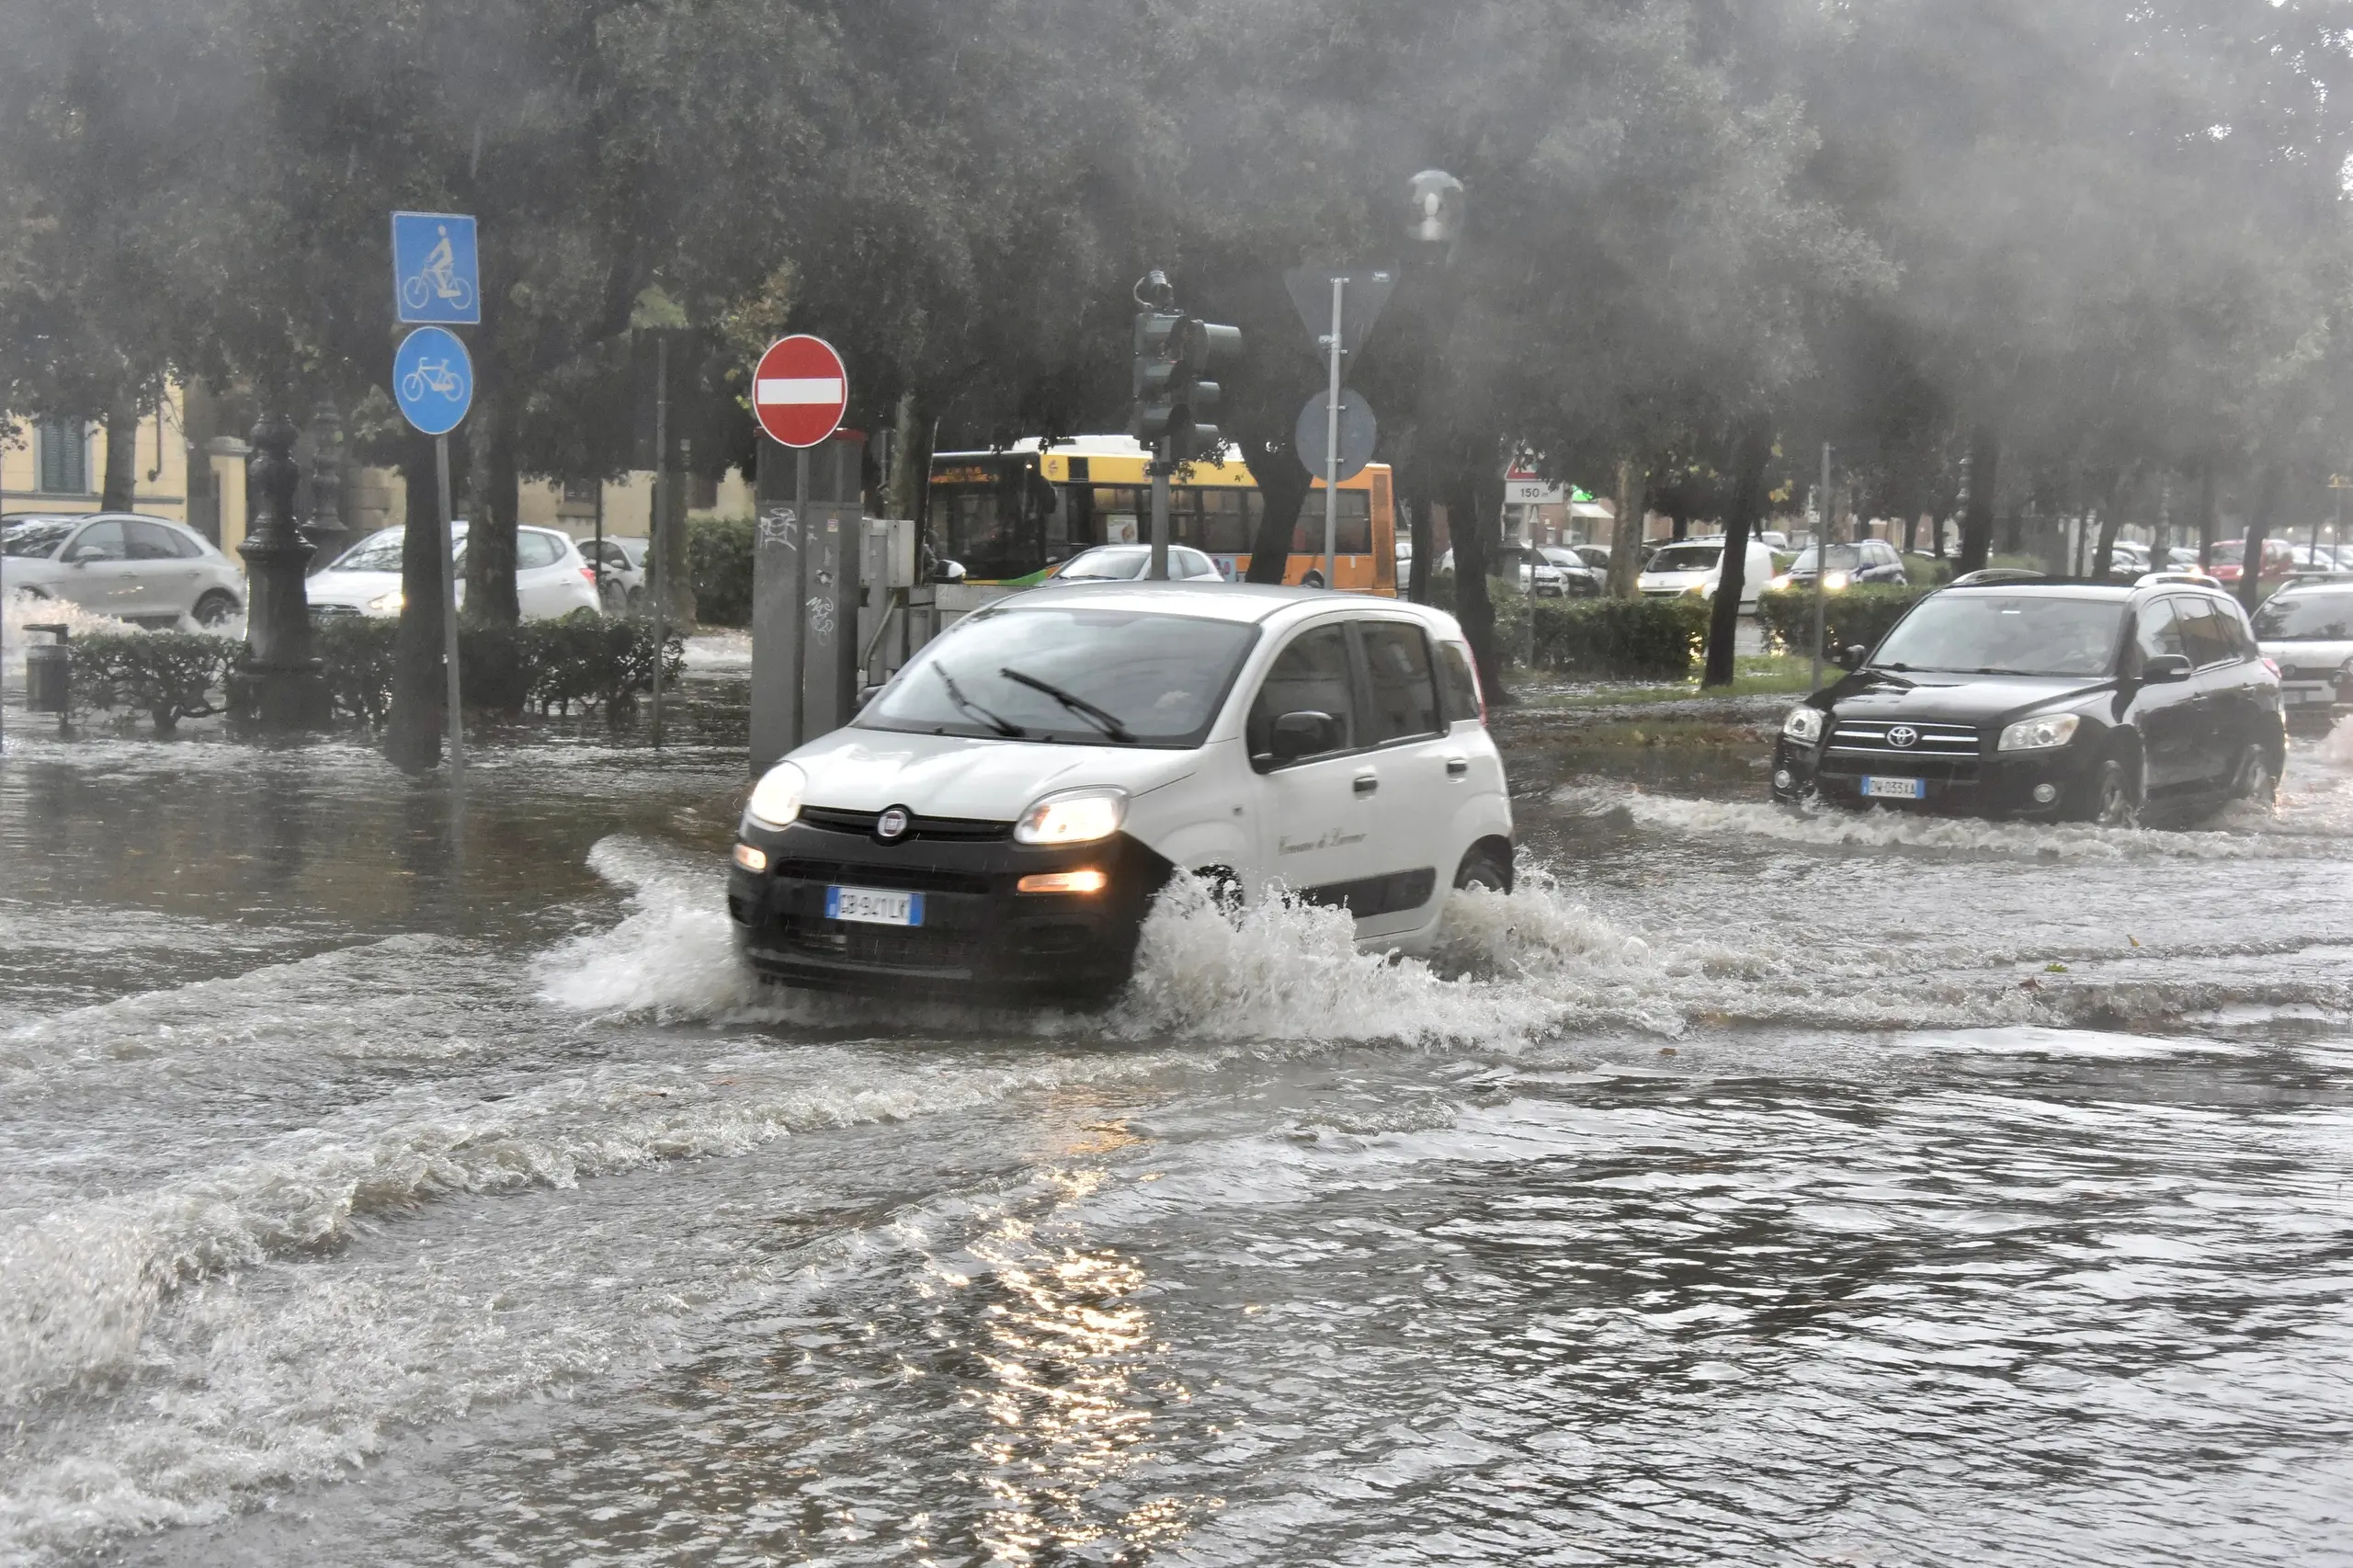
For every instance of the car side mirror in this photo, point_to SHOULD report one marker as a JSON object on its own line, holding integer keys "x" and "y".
{"x": 2165, "y": 668}
{"x": 1304, "y": 733}
{"x": 950, "y": 572}
{"x": 1850, "y": 657}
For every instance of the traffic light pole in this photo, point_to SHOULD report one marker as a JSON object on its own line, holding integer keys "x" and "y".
{"x": 1331, "y": 447}
{"x": 1160, "y": 466}
{"x": 452, "y": 700}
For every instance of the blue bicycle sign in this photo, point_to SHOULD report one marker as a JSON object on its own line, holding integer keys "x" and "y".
{"x": 433, "y": 379}
{"x": 435, "y": 275}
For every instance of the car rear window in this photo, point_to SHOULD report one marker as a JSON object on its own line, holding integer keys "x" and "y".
{"x": 533, "y": 548}
{"x": 2307, "y": 618}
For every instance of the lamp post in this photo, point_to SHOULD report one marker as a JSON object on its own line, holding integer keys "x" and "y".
{"x": 280, "y": 687}
{"x": 1433, "y": 225}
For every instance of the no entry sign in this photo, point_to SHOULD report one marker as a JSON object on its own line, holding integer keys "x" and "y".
{"x": 800, "y": 389}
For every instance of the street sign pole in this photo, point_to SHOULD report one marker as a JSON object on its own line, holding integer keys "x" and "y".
{"x": 800, "y": 595}
{"x": 1332, "y": 443}
{"x": 655, "y": 519}
{"x": 455, "y": 713}
{"x": 1821, "y": 564}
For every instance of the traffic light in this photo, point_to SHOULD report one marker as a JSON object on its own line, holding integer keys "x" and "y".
{"x": 1175, "y": 400}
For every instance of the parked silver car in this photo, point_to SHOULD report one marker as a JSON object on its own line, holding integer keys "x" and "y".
{"x": 148, "y": 570}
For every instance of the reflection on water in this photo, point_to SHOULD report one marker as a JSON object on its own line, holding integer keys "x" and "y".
{"x": 1748, "y": 1186}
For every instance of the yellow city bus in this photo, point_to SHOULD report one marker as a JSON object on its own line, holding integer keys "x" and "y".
{"x": 1010, "y": 517}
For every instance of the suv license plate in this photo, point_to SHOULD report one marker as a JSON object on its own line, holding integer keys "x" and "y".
{"x": 873, "y": 906}
{"x": 1894, "y": 789}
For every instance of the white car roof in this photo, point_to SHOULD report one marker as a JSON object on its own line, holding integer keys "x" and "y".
{"x": 1257, "y": 602}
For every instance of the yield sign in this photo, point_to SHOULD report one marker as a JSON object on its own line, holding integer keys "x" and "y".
{"x": 798, "y": 390}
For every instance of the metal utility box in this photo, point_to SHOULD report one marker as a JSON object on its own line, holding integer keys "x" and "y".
{"x": 806, "y": 602}
{"x": 48, "y": 670}
{"x": 899, "y": 615}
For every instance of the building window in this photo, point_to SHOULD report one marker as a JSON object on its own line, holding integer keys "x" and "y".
{"x": 64, "y": 457}
{"x": 581, "y": 491}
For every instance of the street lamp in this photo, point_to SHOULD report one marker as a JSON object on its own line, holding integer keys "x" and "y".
{"x": 1438, "y": 209}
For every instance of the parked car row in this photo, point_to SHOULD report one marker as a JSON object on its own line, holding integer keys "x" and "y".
{"x": 156, "y": 572}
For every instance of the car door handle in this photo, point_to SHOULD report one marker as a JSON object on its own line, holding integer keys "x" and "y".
{"x": 1455, "y": 767}
{"x": 1368, "y": 782}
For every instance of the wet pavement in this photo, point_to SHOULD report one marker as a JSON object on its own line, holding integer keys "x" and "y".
{"x": 1749, "y": 1186}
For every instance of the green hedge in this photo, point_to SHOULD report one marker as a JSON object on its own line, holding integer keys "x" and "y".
{"x": 168, "y": 675}
{"x": 1861, "y": 614}
{"x": 719, "y": 559}
{"x": 544, "y": 667}
{"x": 1621, "y": 639}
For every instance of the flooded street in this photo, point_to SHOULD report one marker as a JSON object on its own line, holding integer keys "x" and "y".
{"x": 1748, "y": 1186}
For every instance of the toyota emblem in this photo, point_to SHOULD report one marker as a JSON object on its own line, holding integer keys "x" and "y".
{"x": 892, "y": 824}
{"x": 1901, "y": 736}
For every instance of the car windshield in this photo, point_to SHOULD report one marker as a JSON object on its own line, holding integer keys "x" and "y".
{"x": 380, "y": 551}
{"x": 1066, "y": 673}
{"x": 2306, "y": 617}
{"x": 36, "y": 536}
{"x": 1106, "y": 566}
{"x": 1843, "y": 557}
{"x": 1686, "y": 558}
{"x": 2005, "y": 634}
{"x": 1555, "y": 555}
{"x": 2230, "y": 553}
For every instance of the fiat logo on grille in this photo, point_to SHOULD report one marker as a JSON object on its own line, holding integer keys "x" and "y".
{"x": 892, "y": 824}
{"x": 1902, "y": 735}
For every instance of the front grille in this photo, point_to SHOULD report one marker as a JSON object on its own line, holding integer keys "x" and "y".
{"x": 960, "y": 830}
{"x": 883, "y": 947}
{"x": 1949, "y": 752}
{"x": 867, "y": 874}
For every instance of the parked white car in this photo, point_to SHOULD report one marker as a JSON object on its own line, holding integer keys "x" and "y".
{"x": 550, "y": 578}
{"x": 1696, "y": 567}
{"x": 624, "y": 572}
{"x": 149, "y": 570}
{"x": 1000, "y": 817}
{"x": 1129, "y": 563}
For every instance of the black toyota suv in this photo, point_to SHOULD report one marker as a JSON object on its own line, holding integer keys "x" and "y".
{"x": 2046, "y": 701}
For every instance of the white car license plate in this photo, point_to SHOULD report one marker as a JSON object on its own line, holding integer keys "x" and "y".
{"x": 2313, "y": 694}
{"x": 873, "y": 906}
{"x": 1894, "y": 789}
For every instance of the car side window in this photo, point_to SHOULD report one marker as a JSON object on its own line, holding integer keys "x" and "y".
{"x": 1404, "y": 687}
{"x": 536, "y": 550}
{"x": 2202, "y": 634}
{"x": 1310, "y": 676}
{"x": 2240, "y": 635}
{"x": 2159, "y": 632}
{"x": 99, "y": 541}
{"x": 1462, "y": 686}
{"x": 151, "y": 541}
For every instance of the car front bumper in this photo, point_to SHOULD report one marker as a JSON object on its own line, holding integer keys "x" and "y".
{"x": 1995, "y": 785}
{"x": 979, "y": 937}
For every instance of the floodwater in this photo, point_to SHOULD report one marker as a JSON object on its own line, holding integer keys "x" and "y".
{"x": 1749, "y": 1186}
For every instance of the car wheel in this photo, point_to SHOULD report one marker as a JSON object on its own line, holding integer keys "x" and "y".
{"x": 2115, "y": 798}
{"x": 2253, "y": 779}
{"x": 215, "y": 608}
{"x": 1482, "y": 868}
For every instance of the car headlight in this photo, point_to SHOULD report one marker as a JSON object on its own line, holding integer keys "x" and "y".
{"x": 1781, "y": 581}
{"x": 1832, "y": 581}
{"x": 1705, "y": 590}
{"x": 775, "y": 799}
{"x": 1803, "y": 723}
{"x": 2040, "y": 734}
{"x": 386, "y": 604}
{"x": 1075, "y": 816}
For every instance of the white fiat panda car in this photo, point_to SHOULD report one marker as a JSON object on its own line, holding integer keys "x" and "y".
{"x": 998, "y": 818}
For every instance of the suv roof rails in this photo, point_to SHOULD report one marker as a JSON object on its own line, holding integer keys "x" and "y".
{"x": 2183, "y": 575}
{"x": 1985, "y": 574}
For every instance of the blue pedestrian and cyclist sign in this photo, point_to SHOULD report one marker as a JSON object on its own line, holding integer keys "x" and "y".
{"x": 433, "y": 379}
{"x": 435, "y": 277}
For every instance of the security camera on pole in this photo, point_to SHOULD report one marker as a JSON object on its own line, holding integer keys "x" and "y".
{"x": 1175, "y": 403}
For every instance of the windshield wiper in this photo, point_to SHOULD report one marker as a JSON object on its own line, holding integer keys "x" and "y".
{"x": 1101, "y": 718}
{"x": 964, "y": 704}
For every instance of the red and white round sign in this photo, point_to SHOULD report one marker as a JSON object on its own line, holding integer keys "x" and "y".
{"x": 799, "y": 389}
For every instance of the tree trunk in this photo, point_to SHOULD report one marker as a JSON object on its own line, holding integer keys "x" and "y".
{"x": 120, "y": 490}
{"x": 2258, "y": 529}
{"x": 490, "y": 535}
{"x": 2104, "y": 552}
{"x": 2206, "y": 504}
{"x": 1626, "y": 534}
{"x": 1473, "y": 538}
{"x": 677, "y": 568}
{"x": 1423, "y": 566}
{"x": 413, "y": 732}
{"x": 1977, "y": 523}
{"x": 1911, "y": 529}
{"x": 910, "y": 474}
{"x": 1282, "y": 491}
{"x": 1732, "y": 581}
